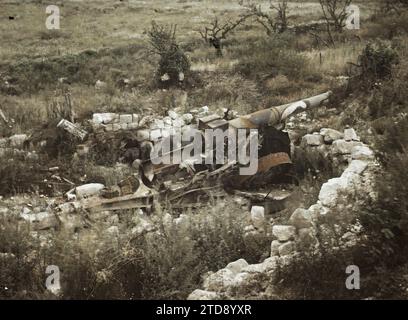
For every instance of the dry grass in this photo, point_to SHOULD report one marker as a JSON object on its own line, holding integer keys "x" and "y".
{"x": 334, "y": 61}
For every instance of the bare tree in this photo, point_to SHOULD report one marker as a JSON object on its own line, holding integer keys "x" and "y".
{"x": 271, "y": 23}
{"x": 282, "y": 15}
{"x": 335, "y": 13}
{"x": 173, "y": 63}
{"x": 217, "y": 32}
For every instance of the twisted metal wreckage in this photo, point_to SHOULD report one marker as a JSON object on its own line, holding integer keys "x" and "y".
{"x": 169, "y": 183}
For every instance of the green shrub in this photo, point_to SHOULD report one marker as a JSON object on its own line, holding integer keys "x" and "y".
{"x": 18, "y": 174}
{"x": 389, "y": 98}
{"x": 173, "y": 61}
{"x": 167, "y": 264}
{"x": 376, "y": 62}
{"x": 267, "y": 58}
{"x": 32, "y": 75}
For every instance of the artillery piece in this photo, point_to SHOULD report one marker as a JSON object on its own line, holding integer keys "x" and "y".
{"x": 169, "y": 183}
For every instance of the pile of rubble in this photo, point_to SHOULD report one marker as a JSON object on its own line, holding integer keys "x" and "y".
{"x": 16, "y": 145}
{"x": 177, "y": 184}
{"x": 338, "y": 199}
{"x": 188, "y": 186}
{"x": 148, "y": 127}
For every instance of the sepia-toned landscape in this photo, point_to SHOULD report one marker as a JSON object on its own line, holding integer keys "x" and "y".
{"x": 109, "y": 190}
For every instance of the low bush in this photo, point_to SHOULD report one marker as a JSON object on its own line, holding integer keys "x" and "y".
{"x": 85, "y": 68}
{"x": 375, "y": 64}
{"x": 174, "y": 65}
{"x": 267, "y": 58}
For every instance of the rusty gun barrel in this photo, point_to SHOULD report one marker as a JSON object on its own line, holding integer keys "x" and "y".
{"x": 275, "y": 115}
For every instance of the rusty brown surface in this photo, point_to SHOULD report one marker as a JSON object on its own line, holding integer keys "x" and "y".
{"x": 273, "y": 160}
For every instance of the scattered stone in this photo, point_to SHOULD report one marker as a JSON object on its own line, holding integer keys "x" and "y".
{"x": 178, "y": 123}
{"x": 284, "y": 233}
{"x": 330, "y": 190}
{"x": 217, "y": 281}
{"x": 237, "y": 266}
{"x": 266, "y": 266}
{"x": 104, "y": 118}
{"x": 301, "y": 218}
{"x": 42, "y": 220}
{"x": 17, "y": 140}
{"x": 344, "y": 147}
{"x": 72, "y": 222}
{"x": 67, "y": 207}
{"x": 312, "y": 140}
{"x": 7, "y": 256}
{"x": 330, "y": 135}
{"x": 133, "y": 126}
{"x": 168, "y": 121}
{"x": 181, "y": 76}
{"x": 351, "y": 135}
{"x": 165, "y": 77}
{"x": 126, "y": 118}
{"x": 100, "y": 85}
{"x": 258, "y": 216}
{"x": 275, "y": 248}
{"x": 143, "y": 227}
{"x": 362, "y": 153}
{"x": 286, "y": 248}
{"x": 173, "y": 115}
{"x": 356, "y": 166}
{"x": 203, "y": 295}
{"x": 188, "y": 118}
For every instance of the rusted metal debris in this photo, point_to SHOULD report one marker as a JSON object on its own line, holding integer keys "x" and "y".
{"x": 135, "y": 195}
{"x": 276, "y": 115}
{"x": 72, "y": 129}
{"x": 182, "y": 186}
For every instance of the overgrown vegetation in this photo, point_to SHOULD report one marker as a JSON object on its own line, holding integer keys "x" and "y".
{"x": 164, "y": 265}
{"x": 271, "y": 23}
{"x": 174, "y": 65}
{"x": 380, "y": 250}
{"x": 253, "y": 71}
{"x": 376, "y": 62}
{"x": 216, "y": 32}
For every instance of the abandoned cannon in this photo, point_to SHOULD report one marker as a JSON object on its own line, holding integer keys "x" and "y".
{"x": 196, "y": 176}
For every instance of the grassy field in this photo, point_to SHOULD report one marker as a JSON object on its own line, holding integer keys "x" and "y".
{"x": 116, "y": 32}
